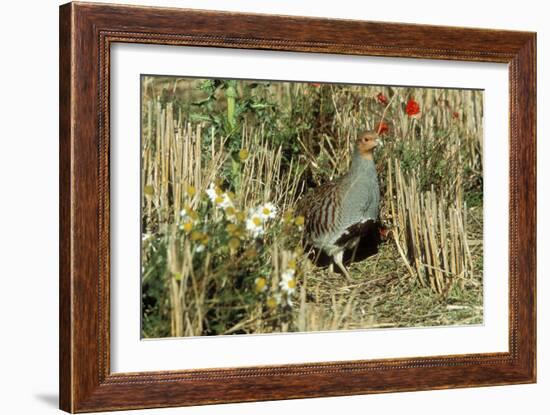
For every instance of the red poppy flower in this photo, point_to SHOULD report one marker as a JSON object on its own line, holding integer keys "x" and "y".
{"x": 412, "y": 107}
{"x": 455, "y": 115}
{"x": 383, "y": 128}
{"x": 315, "y": 84}
{"x": 382, "y": 99}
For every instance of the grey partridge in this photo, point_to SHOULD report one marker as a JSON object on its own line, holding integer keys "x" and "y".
{"x": 338, "y": 213}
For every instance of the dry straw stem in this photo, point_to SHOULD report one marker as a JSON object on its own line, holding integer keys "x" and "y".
{"x": 171, "y": 162}
{"x": 262, "y": 177}
{"x": 429, "y": 234}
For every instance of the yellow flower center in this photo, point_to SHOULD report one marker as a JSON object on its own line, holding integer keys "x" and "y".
{"x": 196, "y": 235}
{"x": 250, "y": 253}
{"x": 299, "y": 221}
{"x": 234, "y": 243}
{"x": 149, "y": 190}
{"x": 271, "y": 302}
{"x": 260, "y": 284}
{"x": 191, "y": 190}
{"x": 218, "y": 199}
{"x": 291, "y": 283}
{"x": 266, "y": 211}
{"x": 192, "y": 214}
{"x": 187, "y": 226}
{"x": 291, "y": 264}
{"x": 256, "y": 221}
{"x": 230, "y": 210}
{"x": 243, "y": 154}
{"x": 240, "y": 216}
{"x": 287, "y": 216}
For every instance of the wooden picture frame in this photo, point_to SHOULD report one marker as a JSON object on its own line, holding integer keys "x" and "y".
{"x": 86, "y": 33}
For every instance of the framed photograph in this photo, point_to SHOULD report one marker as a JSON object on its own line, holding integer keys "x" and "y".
{"x": 258, "y": 207}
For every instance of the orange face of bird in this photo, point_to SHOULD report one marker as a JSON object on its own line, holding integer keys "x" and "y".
{"x": 366, "y": 144}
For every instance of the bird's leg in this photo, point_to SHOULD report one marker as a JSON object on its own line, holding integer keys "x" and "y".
{"x": 337, "y": 258}
{"x": 355, "y": 246}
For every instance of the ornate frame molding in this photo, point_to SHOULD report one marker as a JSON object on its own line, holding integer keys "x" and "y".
{"x": 86, "y": 34}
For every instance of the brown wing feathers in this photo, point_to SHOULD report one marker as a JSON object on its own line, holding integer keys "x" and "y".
{"x": 321, "y": 208}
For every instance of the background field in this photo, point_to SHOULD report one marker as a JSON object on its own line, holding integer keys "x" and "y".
{"x": 204, "y": 273}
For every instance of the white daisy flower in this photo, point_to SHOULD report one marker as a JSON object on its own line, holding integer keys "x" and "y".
{"x": 274, "y": 300}
{"x": 289, "y": 273}
{"x": 231, "y": 212}
{"x": 219, "y": 198}
{"x": 189, "y": 217}
{"x": 255, "y": 225}
{"x": 225, "y": 201}
{"x": 279, "y": 299}
{"x": 185, "y": 216}
{"x": 267, "y": 211}
{"x": 211, "y": 192}
{"x": 288, "y": 281}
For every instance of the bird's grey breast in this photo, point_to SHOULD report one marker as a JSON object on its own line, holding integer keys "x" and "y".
{"x": 362, "y": 199}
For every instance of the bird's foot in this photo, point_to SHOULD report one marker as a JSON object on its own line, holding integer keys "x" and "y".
{"x": 340, "y": 265}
